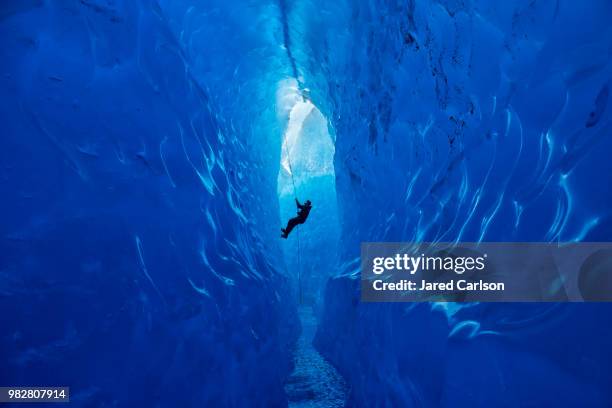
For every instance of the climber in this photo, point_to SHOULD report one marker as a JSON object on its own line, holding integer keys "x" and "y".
{"x": 302, "y": 214}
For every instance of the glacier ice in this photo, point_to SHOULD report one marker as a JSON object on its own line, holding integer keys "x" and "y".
{"x": 137, "y": 263}
{"x": 143, "y": 188}
{"x": 464, "y": 121}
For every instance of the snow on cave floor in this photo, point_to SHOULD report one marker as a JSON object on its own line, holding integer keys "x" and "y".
{"x": 314, "y": 381}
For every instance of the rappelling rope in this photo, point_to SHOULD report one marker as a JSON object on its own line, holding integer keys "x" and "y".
{"x": 298, "y": 227}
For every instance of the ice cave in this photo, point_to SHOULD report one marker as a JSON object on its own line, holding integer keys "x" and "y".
{"x": 151, "y": 150}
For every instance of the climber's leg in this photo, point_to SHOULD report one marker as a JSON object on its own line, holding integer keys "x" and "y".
{"x": 291, "y": 224}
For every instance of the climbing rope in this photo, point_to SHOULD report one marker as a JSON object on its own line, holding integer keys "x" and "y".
{"x": 299, "y": 275}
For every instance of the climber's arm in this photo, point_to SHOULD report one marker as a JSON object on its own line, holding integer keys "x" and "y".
{"x": 300, "y": 206}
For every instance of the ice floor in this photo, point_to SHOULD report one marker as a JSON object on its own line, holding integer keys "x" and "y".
{"x": 314, "y": 382}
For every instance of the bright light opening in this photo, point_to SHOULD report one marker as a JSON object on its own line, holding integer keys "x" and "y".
{"x": 306, "y": 171}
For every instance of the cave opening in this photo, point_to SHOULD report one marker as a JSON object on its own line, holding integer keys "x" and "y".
{"x": 306, "y": 172}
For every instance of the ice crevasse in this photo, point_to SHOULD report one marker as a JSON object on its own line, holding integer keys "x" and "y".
{"x": 140, "y": 160}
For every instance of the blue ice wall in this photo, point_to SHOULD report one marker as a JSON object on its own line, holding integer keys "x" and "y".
{"x": 464, "y": 121}
{"x": 136, "y": 261}
{"x": 139, "y": 156}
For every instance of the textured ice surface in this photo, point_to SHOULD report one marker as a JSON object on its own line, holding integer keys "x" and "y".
{"x": 314, "y": 382}
{"x": 467, "y": 121}
{"x": 139, "y": 156}
{"x": 137, "y": 261}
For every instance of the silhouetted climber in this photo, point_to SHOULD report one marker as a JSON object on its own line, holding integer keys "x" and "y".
{"x": 302, "y": 214}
